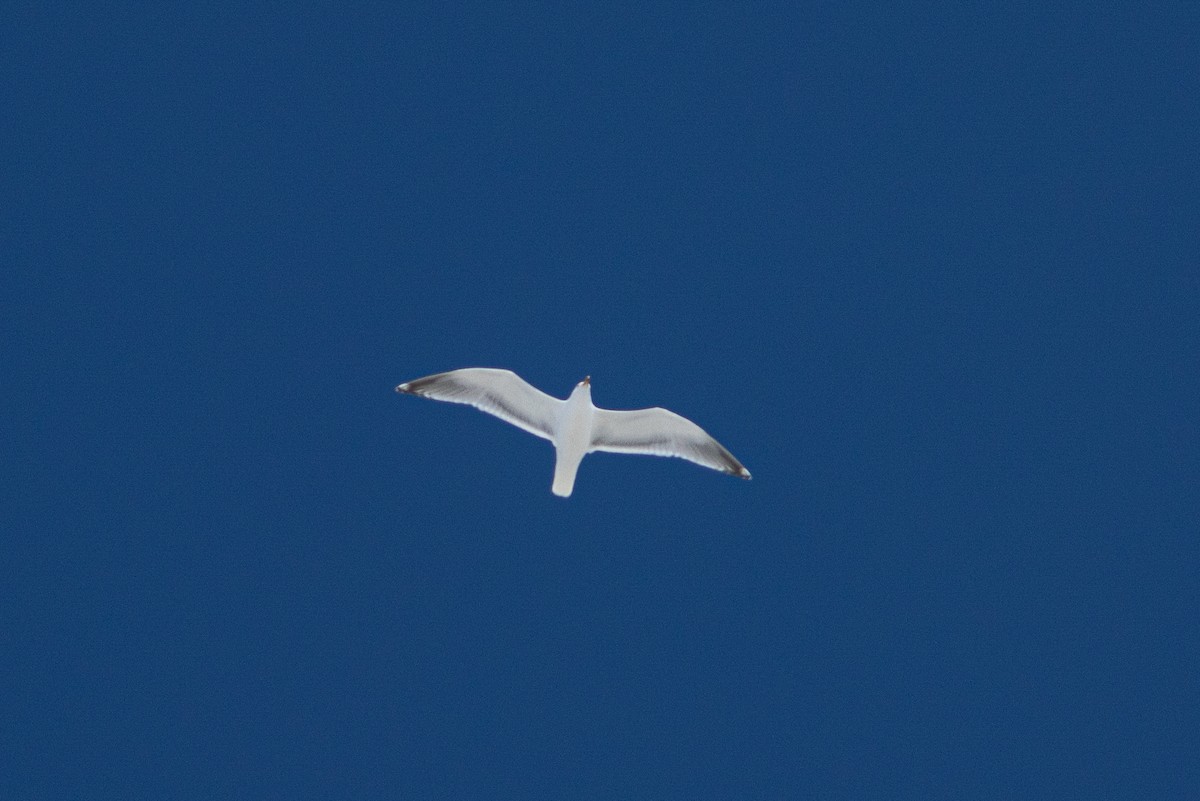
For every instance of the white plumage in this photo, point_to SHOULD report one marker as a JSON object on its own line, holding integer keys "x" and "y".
{"x": 575, "y": 426}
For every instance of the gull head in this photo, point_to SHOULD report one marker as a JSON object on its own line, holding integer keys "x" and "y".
{"x": 587, "y": 380}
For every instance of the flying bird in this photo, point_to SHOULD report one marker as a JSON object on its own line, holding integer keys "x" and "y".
{"x": 575, "y": 425}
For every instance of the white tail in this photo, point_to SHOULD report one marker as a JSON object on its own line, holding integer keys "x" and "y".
{"x": 564, "y": 474}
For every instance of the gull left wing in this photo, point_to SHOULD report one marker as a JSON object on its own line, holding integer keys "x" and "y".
{"x": 660, "y": 432}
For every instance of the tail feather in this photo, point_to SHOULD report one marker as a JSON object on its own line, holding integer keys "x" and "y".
{"x": 564, "y": 475}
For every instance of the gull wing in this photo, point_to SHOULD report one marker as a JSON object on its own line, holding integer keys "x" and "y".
{"x": 661, "y": 433}
{"x": 502, "y": 393}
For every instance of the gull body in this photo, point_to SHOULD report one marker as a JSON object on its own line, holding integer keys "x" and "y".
{"x": 575, "y": 426}
{"x": 573, "y": 437}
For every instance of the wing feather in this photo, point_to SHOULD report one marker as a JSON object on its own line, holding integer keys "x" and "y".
{"x": 660, "y": 432}
{"x": 502, "y": 393}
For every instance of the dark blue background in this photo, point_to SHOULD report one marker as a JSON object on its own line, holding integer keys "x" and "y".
{"x": 932, "y": 275}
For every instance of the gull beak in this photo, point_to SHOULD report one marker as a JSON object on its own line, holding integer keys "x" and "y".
{"x": 587, "y": 380}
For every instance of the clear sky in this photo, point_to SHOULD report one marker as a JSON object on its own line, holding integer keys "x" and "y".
{"x": 931, "y": 274}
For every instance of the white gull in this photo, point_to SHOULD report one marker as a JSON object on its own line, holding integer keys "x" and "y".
{"x": 575, "y": 426}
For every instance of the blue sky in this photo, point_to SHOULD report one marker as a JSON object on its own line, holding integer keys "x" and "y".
{"x": 930, "y": 274}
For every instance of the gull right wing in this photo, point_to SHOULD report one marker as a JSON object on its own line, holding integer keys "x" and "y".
{"x": 502, "y": 393}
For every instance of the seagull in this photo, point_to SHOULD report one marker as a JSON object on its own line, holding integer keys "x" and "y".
{"x": 575, "y": 425}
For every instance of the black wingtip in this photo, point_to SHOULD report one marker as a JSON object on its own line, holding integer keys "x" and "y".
{"x": 418, "y": 385}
